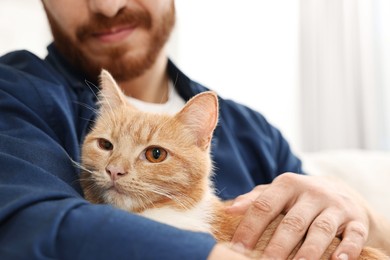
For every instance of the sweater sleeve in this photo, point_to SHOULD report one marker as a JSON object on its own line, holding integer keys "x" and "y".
{"x": 248, "y": 151}
{"x": 42, "y": 214}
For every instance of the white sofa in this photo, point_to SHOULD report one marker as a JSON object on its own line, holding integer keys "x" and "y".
{"x": 368, "y": 172}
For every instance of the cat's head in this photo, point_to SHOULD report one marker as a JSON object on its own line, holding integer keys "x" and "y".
{"x": 137, "y": 160}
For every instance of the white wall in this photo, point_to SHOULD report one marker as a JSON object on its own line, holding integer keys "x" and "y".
{"x": 344, "y": 68}
{"x": 23, "y": 26}
{"x": 383, "y": 34}
{"x": 245, "y": 50}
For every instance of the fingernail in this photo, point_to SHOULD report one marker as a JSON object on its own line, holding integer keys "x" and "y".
{"x": 342, "y": 256}
{"x": 239, "y": 248}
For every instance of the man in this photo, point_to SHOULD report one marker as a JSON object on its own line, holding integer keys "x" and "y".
{"x": 46, "y": 110}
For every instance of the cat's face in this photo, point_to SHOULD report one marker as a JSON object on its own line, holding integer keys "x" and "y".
{"x": 137, "y": 160}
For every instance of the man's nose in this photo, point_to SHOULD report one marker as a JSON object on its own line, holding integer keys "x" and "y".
{"x": 107, "y": 8}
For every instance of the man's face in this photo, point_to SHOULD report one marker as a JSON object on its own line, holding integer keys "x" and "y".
{"x": 123, "y": 36}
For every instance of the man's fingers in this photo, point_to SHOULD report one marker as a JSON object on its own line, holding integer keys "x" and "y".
{"x": 260, "y": 213}
{"x": 315, "y": 209}
{"x": 354, "y": 238}
{"x": 242, "y": 203}
{"x": 291, "y": 230}
{"x": 320, "y": 234}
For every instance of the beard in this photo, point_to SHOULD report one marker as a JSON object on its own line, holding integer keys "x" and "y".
{"x": 123, "y": 67}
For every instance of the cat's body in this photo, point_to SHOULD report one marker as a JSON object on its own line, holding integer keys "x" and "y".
{"x": 159, "y": 166}
{"x": 197, "y": 218}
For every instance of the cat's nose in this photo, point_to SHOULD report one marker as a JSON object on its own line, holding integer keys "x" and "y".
{"x": 115, "y": 172}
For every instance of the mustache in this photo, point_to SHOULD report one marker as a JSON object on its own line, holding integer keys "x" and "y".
{"x": 99, "y": 22}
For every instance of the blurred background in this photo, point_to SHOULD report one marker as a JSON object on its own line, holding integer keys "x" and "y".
{"x": 319, "y": 70}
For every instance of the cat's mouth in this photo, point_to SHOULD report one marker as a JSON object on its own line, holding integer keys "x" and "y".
{"x": 117, "y": 189}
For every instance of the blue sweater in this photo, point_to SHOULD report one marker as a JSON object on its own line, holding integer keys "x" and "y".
{"x": 45, "y": 112}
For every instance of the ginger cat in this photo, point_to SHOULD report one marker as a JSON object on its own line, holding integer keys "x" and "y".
{"x": 159, "y": 166}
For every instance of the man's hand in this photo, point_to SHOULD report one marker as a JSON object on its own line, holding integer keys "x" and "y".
{"x": 318, "y": 206}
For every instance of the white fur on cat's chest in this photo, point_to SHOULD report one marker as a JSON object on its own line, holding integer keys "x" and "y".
{"x": 196, "y": 219}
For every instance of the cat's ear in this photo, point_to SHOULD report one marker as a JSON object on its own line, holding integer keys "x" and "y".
{"x": 110, "y": 93}
{"x": 200, "y": 116}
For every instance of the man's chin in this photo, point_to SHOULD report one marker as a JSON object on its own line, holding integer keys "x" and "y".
{"x": 122, "y": 64}
{"x": 127, "y": 67}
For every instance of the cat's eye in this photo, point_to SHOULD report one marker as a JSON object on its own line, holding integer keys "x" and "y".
{"x": 105, "y": 144}
{"x": 155, "y": 154}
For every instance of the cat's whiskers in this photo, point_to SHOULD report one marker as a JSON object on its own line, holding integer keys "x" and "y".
{"x": 143, "y": 205}
{"x": 179, "y": 196}
{"x": 100, "y": 110}
{"x": 95, "y": 182}
{"x": 91, "y": 187}
{"x": 153, "y": 188}
{"x": 89, "y": 83}
{"x": 81, "y": 167}
{"x": 110, "y": 112}
{"x": 93, "y": 109}
{"x": 106, "y": 122}
{"x": 161, "y": 191}
{"x": 91, "y": 182}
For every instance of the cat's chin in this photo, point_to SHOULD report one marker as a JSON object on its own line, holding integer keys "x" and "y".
{"x": 115, "y": 189}
{"x": 120, "y": 200}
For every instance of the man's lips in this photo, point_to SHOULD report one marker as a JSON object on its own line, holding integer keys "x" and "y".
{"x": 114, "y": 34}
